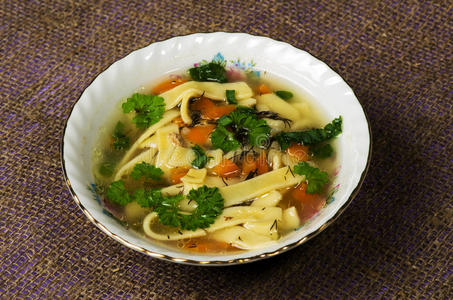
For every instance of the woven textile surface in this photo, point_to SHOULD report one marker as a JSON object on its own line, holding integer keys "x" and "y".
{"x": 394, "y": 241}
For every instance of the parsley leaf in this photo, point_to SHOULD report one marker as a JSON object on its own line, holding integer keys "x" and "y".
{"x": 224, "y": 139}
{"x": 285, "y": 95}
{"x": 149, "y": 109}
{"x": 310, "y": 137}
{"x": 247, "y": 129}
{"x": 210, "y": 206}
{"x": 167, "y": 209}
{"x": 212, "y": 71}
{"x": 117, "y": 193}
{"x": 231, "y": 96}
{"x": 200, "y": 157}
{"x": 315, "y": 178}
{"x": 146, "y": 170}
{"x": 323, "y": 151}
{"x": 121, "y": 141}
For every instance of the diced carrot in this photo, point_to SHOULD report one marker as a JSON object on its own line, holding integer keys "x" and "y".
{"x": 200, "y": 134}
{"x": 310, "y": 203}
{"x": 226, "y": 169}
{"x": 208, "y": 246}
{"x": 261, "y": 164}
{"x": 248, "y": 165}
{"x": 263, "y": 89}
{"x": 209, "y": 110}
{"x": 298, "y": 151}
{"x": 219, "y": 111}
{"x": 178, "y": 121}
{"x": 167, "y": 85}
{"x": 176, "y": 174}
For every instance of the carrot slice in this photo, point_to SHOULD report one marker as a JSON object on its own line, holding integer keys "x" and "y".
{"x": 167, "y": 85}
{"x": 248, "y": 165}
{"x": 263, "y": 89}
{"x": 310, "y": 204}
{"x": 226, "y": 169}
{"x": 261, "y": 164}
{"x": 298, "y": 151}
{"x": 200, "y": 134}
{"x": 208, "y": 246}
{"x": 176, "y": 174}
{"x": 209, "y": 110}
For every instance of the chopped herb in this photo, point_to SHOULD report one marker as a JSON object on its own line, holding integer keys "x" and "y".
{"x": 323, "y": 151}
{"x": 212, "y": 71}
{"x": 247, "y": 129}
{"x": 117, "y": 193}
{"x": 147, "y": 171}
{"x": 231, "y": 96}
{"x": 316, "y": 179}
{"x": 224, "y": 139}
{"x": 149, "y": 109}
{"x": 310, "y": 137}
{"x": 210, "y": 206}
{"x": 106, "y": 169}
{"x": 200, "y": 157}
{"x": 285, "y": 95}
{"x": 121, "y": 141}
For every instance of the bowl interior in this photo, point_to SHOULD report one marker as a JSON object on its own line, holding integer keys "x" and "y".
{"x": 309, "y": 77}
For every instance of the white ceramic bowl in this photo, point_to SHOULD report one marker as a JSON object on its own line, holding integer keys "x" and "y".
{"x": 307, "y": 74}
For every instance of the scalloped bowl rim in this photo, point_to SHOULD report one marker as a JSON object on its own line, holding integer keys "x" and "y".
{"x": 307, "y": 74}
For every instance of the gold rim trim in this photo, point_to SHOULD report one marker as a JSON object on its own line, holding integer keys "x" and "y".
{"x": 214, "y": 262}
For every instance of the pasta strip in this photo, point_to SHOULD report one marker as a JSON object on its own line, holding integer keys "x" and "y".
{"x": 243, "y": 238}
{"x": 147, "y": 156}
{"x": 175, "y": 235}
{"x": 278, "y": 105}
{"x": 273, "y": 180}
{"x": 212, "y": 90}
{"x": 167, "y": 117}
{"x": 241, "y": 214}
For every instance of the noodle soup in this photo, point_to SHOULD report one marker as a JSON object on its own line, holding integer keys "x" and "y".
{"x": 213, "y": 161}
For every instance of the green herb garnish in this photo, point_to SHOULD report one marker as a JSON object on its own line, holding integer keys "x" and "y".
{"x": 247, "y": 129}
{"x": 285, "y": 95}
{"x": 323, "y": 151}
{"x": 231, "y": 96}
{"x": 209, "y": 205}
{"x": 118, "y": 194}
{"x": 224, "y": 139}
{"x": 212, "y": 71}
{"x": 149, "y": 109}
{"x": 200, "y": 157}
{"x": 121, "y": 141}
{"x": 147, "y": 171}
{"x": 310, "y": 137}
{"x": 316, "y": 179}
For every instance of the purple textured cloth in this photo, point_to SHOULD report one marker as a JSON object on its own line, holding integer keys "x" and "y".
{"x": 394, "y": 241}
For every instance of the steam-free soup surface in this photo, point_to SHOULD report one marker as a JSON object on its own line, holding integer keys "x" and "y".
{"x": 218, "y": 166}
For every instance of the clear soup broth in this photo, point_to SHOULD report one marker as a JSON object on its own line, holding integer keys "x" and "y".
{"x": 215, "y": 167}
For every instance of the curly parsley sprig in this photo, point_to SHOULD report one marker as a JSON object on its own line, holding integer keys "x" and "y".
{"x": 209, "y": 204}
{"x": 310, "y": 137}
{"x": 147, "y": 171}
{"x": 149, "y": 109}
{"x": 246, "y": 128}
{"x": 316, "y": 179}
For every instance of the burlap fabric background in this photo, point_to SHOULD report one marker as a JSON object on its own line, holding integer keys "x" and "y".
{"x": 394, "y": 241}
